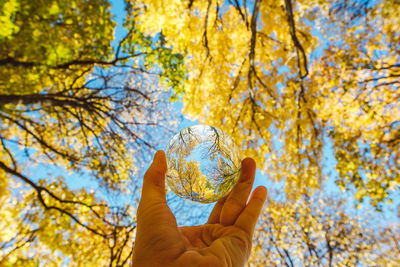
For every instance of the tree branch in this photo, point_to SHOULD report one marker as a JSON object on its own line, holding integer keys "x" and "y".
{"x": 40, "y": 189}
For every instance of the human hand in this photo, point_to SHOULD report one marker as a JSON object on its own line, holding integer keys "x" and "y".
{"x": 225, "y": 240}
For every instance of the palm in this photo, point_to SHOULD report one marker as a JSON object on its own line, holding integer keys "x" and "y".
{"x": 230, "y": 242}
{"x": 225, "y": 240}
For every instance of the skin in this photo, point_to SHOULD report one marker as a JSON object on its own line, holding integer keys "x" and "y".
{"x": 225, "y": 240}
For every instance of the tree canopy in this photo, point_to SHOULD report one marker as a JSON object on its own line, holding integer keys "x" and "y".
{"x": 286, "y": 78}
{"x": 309, "y": 89}
{"x": 73, "y": 103}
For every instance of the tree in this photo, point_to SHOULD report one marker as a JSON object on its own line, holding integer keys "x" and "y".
{"x": 319, "y": 230}
{"x": 74, "y": 105}
{"x": 286, "y": 78}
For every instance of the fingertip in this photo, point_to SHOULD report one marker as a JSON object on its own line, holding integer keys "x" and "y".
{"x": 248, "y": 170}
{"x": 260, "y": 192}
{"x": 262, "y": 189}
{"x": 248, "y": 163}
{"x": 159, "y": 154}
{"x": 160, "y": 161}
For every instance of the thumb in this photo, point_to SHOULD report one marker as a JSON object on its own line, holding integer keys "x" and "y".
{"x": 153, "y": 189}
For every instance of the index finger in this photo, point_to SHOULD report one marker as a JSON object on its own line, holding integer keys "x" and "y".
{"x": 216, "y": 211}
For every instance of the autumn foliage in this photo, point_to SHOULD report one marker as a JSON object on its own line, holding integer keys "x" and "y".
{"x": 309, "y": 89}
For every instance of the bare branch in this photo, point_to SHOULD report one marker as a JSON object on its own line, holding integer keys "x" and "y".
{"x": 40, "y": 189}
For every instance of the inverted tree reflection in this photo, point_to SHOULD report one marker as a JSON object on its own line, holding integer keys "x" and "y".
{"x": 203, "y": 163}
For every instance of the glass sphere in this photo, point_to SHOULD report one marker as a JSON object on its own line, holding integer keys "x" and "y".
{"x": 203, "y": 164}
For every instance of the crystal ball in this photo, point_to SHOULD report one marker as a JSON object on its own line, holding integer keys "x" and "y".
{"x": 203, "y": 164}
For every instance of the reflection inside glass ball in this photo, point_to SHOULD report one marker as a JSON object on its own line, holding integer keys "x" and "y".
{"x": 203, "y": 164}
